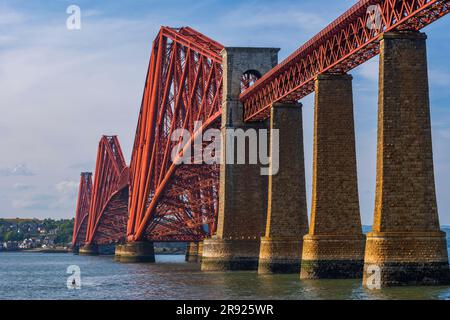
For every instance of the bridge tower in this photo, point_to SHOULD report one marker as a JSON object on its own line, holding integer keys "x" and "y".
{"x": 243, "y": 189}
{"x": 406, "y": 244}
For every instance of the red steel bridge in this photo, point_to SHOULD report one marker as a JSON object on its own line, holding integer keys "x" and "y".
{"x": 155, "y": 199}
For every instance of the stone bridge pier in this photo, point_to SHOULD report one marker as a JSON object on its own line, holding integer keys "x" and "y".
{"x": 194, "y": 251}
{"x": 287, "y": 216}
{"x": 135, "y": 252}
{"x": 243, "y": 189}
{"x": 334, "y": 247}
{"x": 89, "y": 249}
{"x": 406, "y": 245}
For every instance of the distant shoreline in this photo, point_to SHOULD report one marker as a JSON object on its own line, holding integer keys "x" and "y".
{"x": 40, "y": 250}
{"x": 158, "y": 251}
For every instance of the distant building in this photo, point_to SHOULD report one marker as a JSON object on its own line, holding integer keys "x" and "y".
{"x": 11, "y": 245}
{"x": 27, "y": 244}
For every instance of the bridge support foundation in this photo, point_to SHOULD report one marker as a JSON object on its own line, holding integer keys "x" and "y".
{"x": 334, "y": 247}
{"x": 95, "y": 249}
{"x": 287, "y": 217}
{"x": 200, "y": 251}
{"x": 243, "y": 187}
{"x": 90, "y": 249}
{"x": 406, "y": 246}
{"x": 192, "y": 252}
{"x": 135, "y": 252}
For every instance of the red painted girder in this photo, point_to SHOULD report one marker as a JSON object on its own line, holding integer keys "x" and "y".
{"x": 82, "y": 210}
{"x": 111, "y": 227}
{"x": 343, "y": 45}
{"x": 188, "y": 204}
{"x": 195, "y": 41}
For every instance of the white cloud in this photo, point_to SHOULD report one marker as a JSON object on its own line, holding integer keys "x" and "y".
{"x": 9, "y": 17}
{"x": 23, "y": 186}
{"x": 18, "y": 170}
{"x": 67, "y": 187}
{"x": 34, "y": 202}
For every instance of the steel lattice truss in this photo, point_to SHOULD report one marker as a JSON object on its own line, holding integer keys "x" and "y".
{"x": 346, "y": 43}
{"x": 108, "y": 208}
{"x": 172, "y": 202}
{"x": 82, "y": 211}
{"x": 184, "y": 85}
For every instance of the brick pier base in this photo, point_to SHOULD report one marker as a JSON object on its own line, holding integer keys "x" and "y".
{"x": 134, "y": 252}
{"x": 230, "y": 255}
{"x": 192, "y": 252}
{"x": 334, "y": 247}
{"x": 97, "y": 249}
{"x": 280, "y": 255}
{"x": 407, "y": 258}
{"x": 406, "y": 245}
{"x": 200, "y": 251}
{"x": 89, "y": 250}
{"x": 332, "y": 257}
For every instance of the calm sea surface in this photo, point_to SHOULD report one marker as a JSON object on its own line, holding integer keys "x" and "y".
{"x": 43, "y": 276}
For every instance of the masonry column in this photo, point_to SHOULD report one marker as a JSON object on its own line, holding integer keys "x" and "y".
{"x": 200, "y": 251}
{"x": 287, "y": 216}
{"x": 243, "y": 189}
{"x": 192, "y": 251}
{"x": 406, "y": 243}
{"x": 334, "y": 247}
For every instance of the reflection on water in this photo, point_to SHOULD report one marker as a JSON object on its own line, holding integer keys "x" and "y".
{"x": 43, "y": 276}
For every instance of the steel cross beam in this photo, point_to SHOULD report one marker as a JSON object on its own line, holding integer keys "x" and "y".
{"x": 344, "y": 44}
{"x": 183, "y": 85}
{"x": 82, "y": 211}
{"x": 110, "y": 181}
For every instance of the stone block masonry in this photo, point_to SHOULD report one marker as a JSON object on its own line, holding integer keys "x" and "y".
{"x": 406, "y": 243}
{"x": 243, "y": 190}
{"x": 334, "y": 247}
{"x": 192, "y": 252}
{"x": 135, "y": 252}
{"x": 287, "y": 217}
{"x": 90, "y": 249}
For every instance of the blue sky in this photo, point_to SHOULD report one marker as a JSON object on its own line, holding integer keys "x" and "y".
{"x": 61, "y": 90}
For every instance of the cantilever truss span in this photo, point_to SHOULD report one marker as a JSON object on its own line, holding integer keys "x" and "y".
{"x": 108, "y": 212}
{"x": 184, "y": 85}
{"x": 156, "y": 199}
